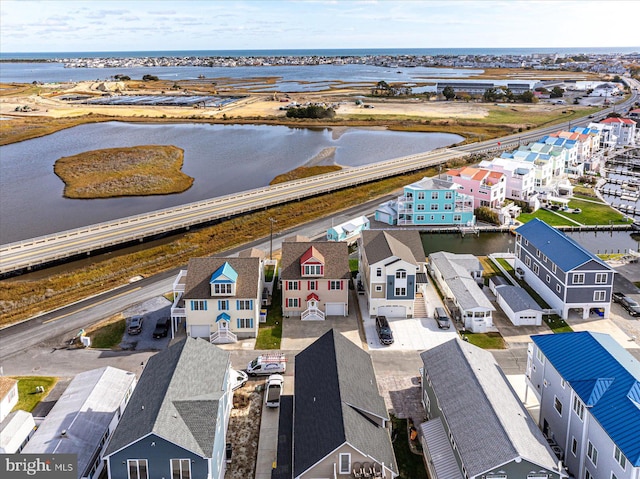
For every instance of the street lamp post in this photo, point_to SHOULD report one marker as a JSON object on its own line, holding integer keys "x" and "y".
{"x": 271, "y": 221}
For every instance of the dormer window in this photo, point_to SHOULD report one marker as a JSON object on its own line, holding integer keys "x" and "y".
{"x": 221, "y": 289}
{"x": 312, "y": 263}
{"x": 312, "y": 270}
{"x": 223, "y": 281}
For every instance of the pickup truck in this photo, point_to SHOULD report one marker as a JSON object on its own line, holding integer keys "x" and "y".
{"x": 630, "y": 304}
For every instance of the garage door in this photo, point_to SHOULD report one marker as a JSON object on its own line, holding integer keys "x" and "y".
{"x": 334, "y": 309}
{"x": 200, "y": 331}
{"x": 392, "y": 311}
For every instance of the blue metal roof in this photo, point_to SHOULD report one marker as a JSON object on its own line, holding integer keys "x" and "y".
{"x": 605, "y": 377}
{"x": 556, "y": 245}
{"x": 224, "y": 274}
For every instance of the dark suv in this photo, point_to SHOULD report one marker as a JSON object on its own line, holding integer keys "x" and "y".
{"x": 384, "y": 330}
{"x": 162, "y": 328}
{"x": 135, "y": 325}
{"x": 442, "y": 319}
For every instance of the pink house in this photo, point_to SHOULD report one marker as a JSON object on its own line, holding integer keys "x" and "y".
{"x": 487, "y": 187}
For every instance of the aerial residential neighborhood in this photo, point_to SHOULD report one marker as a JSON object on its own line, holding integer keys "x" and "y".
{"x": 319, "y": 240}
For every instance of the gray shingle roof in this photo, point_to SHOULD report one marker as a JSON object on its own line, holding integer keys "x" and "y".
{"x": 335, "y": 386}
{"x": 199, "y": 273}
{"x": 488, "y": 422}
{"x": 336, "y": 256}
{"x": 381, "y": 244}
{"x": 517, "y": 298}
{"x": 177, "y": 397}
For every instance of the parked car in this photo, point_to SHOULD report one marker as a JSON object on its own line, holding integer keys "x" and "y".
{"x": 385, "y": 335}
{"x": 162, "y": 328}
{"x": 135, "y": 324}
{"x": 442, "y": 319}
{"x": 274, "y": 390}
{"x": 630, "y": 304}
{"x": 238, "y": 379}
{"x": 274, "y": 363}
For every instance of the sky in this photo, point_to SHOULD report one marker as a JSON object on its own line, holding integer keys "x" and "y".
{"x": 152, "y": 25}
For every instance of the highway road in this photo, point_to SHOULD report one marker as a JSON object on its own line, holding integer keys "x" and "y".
{"x": 37, "y": 251}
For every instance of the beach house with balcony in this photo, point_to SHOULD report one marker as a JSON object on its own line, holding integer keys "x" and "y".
{"x": 588, "y": 387}
{"x": 314, "y": 278}
{"x": 219, "y": 299}
{"x": 434, "y": 201}
{"x": 520, "y": 176}
{"x": 624, "y": 129}
{"x": 563, "y": 273}
{"x": 487, "y": 187}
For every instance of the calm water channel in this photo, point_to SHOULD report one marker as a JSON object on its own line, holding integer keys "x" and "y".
{"x": 223, "y": 159}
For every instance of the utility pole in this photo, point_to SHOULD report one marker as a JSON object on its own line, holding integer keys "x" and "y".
{"x": 271, "y": 221}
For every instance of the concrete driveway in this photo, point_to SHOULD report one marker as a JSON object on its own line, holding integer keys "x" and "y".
{"x": 409, "y": 334}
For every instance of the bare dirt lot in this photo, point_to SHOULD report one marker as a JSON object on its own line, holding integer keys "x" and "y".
{"x": 244, "y": 429}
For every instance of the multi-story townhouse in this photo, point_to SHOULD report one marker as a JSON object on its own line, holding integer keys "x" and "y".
{"x": 559, "y": 156}
{"x": 485, "y": 186}
{"x": 219, "y": 299}
{"x": 624, "y": 129}
{"x": 565, "y": 275}
{"x": 433, "y": 201}
{"x": 314, "y": 278}
{"x": 584, "y": 143}
{"x": 608, "y": 138}
{"x": 593, "y": 133}
{"x": 476, "y": 427}
{"x": 543, "y": 173}
{"x": 571, "y": 158}
{"x": 392, "y": 270}
{"x": 588, "y": 387}
{"x": 520, "y": 176}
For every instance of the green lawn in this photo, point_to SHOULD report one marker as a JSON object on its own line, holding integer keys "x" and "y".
{"x": 410, "y": 465}
{"x": 28, "y": 398}
{"x": 592, "y": 214}
{"x": 108, "y": 336}
{"x": 353, "y": 266}
{"x": 485, "y": 340}
{"x": 270, "y": 333}
{"x": 557, "y": 324}
{"x": 548, "y": 217}
{"x": 269, "y": 270}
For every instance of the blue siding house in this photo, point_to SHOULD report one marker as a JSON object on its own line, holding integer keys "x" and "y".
{"x": 566, "y": 275}
{"x": 349, "y": 230}
{"x": 588, "y": 386}
{"x": 430, "y": 201}
{"x": 175, "y": 424}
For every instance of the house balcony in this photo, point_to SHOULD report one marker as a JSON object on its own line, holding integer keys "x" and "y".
{"x": 312, "y": 314}
{"x": 178, "y": 309}
{"x": 223, "y": 337}
{"x": 180, "y": 281}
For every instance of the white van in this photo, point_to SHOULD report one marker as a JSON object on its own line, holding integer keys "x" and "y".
{"x": 273, "y": 390}
{"x": 267, "y": 364}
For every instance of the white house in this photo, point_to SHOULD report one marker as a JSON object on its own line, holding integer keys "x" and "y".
{"x": 8, "y": 395}
{"x": 519, "y": 306}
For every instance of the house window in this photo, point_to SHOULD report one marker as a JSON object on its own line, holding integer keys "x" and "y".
{"x": 244, "y": 323}
{"x": 534, "y": 475}
{"x": 527, "y": 261}
{"x": 180, "y": 469}
{"x": 432, "y": 217}
{"x": 401, "y": 291}
{"x": 378, "y": 288}
{"x": 619, "y": 457}
{"x": 448, "y": 195}
{"x": 599, "y": 295}
{"x": 401, "y": 274}
{"x": 562, "y": 383}
{"x": 539, "y": 356}
{"x": 293, "y": 285}
{"x": 434, "y": 195}
{"x": 457, "y": 217}
{"x": 138, "y": 469}
{"x": 536, "y": 268}
{"x": 554, "y": 268}
{"x": 601, "y": 278}
{"x": 587, "y": 474}
{"x": 448, "y": 206}
{"x": 293, "y": 302}
{"x": 313, "y": 285}
{"x": 578, "y": 278}
{"x": 420, "y": 207}
{"x": 538, "y": 253}
{"x": 526, "y": 242}
{"x": 544, "y": 258}
{"x": 312, "y": 270}
{"x": 558, "y": 288}
{"x": 335, "y": 285}
{"x": 613, "y": 476}
{"x": 574, "y": 446}
{"x": 434, "y": 207}
{"x": 345, "y": 463}
{"x": 198, "y": 305}
{"x": 419, "y": 217}
{"x": 548, "y": 279}
{"x": 223, "y": 305}
{"x": 592, "y": 453}
{"x": 578, "y": 407}
{"x": 224, "y": 288}
{"x": 379, "y": 272}
{"x": 421, "y": 195}
{"x": 244, "y": 304}
{"x": 558, "y": 405}
{"x": 426, "y": 401}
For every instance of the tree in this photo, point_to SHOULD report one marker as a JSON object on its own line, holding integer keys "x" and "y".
{"x": 528, "y": 97}
{"x": 449, "y": 93}
{"x": 490, "y": 95}
{"x": 557, "y": 92}
{"x": 149, "y": 78}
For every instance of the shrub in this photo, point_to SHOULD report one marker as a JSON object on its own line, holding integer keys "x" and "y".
{"x": 487, "y": 215}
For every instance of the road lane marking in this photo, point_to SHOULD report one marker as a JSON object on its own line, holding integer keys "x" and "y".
{"x": 92, "y": 305}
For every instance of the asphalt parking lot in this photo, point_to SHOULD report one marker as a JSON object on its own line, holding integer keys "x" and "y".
{"x": 152, "y": 311}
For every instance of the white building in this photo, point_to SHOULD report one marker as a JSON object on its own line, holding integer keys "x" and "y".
{"x": 520, "y": 176}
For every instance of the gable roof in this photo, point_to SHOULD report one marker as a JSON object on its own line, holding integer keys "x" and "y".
{"x": 557, "y": 246}
{"x": 224, "y": 274}
{"x": 312, "y": 253}
{"x": 200, "y": 271}
{"x": 466, "y": 378}
{"x": 605, "y": 377}
{"x": 83, "y": 412}
{"x": 335, "y": 388}
{"x": 177, "y": 398}
{"x": 335, "y": 253}
{"x": 626, "y": 121}
{"x": 379, "y": 245}
{"x": 517, "y": 298}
